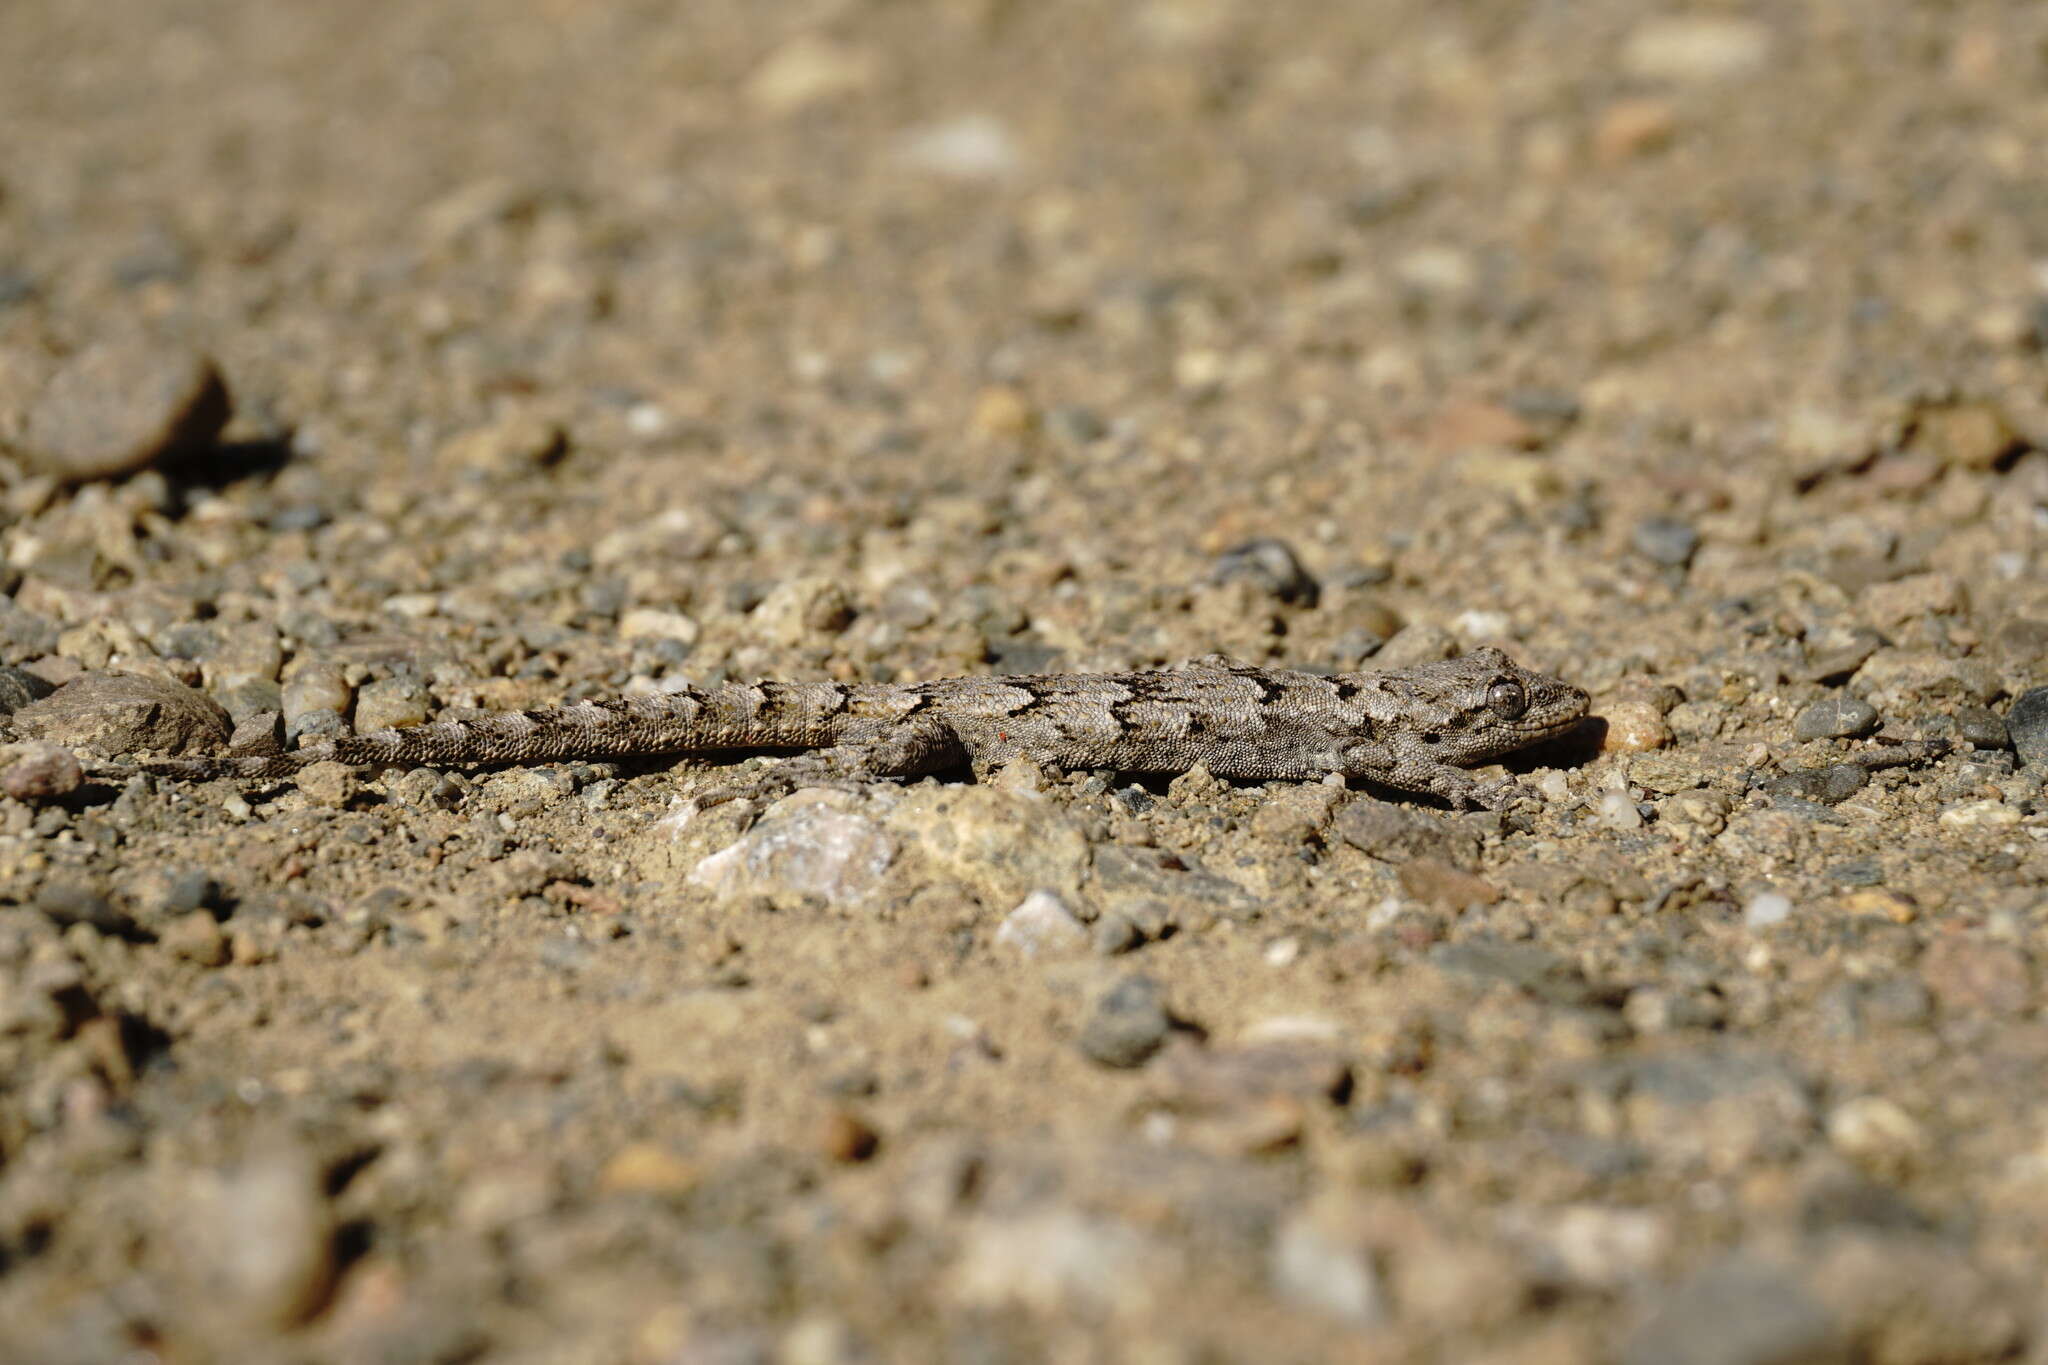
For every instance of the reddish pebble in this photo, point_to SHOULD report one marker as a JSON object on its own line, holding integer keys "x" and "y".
{"x": 45, "y": 774}
{"x": 845, "y": 1137}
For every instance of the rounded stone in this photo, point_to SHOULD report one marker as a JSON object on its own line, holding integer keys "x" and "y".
{"x": 1127, "y": 1025}
{"x": 1666, "y": 541}
{"x": 45, "y": 773}
{"x": 1634, "y": 727}
{"x": 117, "y": 407}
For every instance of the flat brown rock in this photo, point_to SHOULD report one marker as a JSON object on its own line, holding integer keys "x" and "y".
{"x": 120, "y": 406}
{"x": 125, "y": 713}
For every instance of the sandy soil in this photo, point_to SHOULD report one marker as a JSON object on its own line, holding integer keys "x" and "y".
{"x": 1693, "y": 353}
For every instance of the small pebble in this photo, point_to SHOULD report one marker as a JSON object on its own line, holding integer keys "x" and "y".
{"x": 649, "y": 623}
{"x": 259, "y": 735}
{"x": 46, "y": 773}
{"x": 1618, "y": 811}
{"x": 1840, "y": 716}
{"x": 1965, "y": 435}
{"x": 969, "y": 147}
{"x": 1666, "y": 541}
{"x": 1740, "y": 1310}
{"x": 1634, "y": 127}
{"x": 514, "y": 444}
{"x": 316, "y": 691}
{"x": 1127, "y": 1025}
{"x": 1695, "y": 49}
{"x": 329, "y": 784}
{"x": 647, "y": 1168}
{"x": 1982, "y": 727}
{"x": 1272, "y": 567}
{"x": 1765, "y": 909}
{"x": 1396, "y": 834}
{"x": 846, "y": 1137}
{"x": 1877, "y": 1135}
{"x": 1076, "y": 425}
{"x": 798, "y": 611}
{"x": 117, "y": 407}
{"x": 168, "y": 890}
{"x": 2028, "y": 723}
{"x": 1003, "y": 413}
{"x": 1042, "y": 926}
{"x": 197, "y": 938}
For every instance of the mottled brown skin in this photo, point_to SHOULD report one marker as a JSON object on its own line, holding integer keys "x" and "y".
{"x": 1415, "y": 729}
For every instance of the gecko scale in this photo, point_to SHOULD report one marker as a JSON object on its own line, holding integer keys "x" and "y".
{"x": 1416, "y": 729}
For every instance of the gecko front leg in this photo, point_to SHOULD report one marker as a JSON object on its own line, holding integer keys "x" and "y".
{"x": 1413, "y": 771}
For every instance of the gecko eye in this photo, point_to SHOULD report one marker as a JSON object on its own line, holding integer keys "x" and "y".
{"x": 1507, "y": 700}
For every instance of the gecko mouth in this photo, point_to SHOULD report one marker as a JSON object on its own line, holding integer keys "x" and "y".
{"x": 1553, "y": 715}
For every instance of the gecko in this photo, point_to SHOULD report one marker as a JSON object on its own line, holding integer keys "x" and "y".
{"x": 1415, "y": 729}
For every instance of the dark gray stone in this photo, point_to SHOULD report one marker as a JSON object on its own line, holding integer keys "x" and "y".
{"x": 2028, "y": 722}
{"x": 1837, "y": 717}
{"x": 19, "y": 687}
{"x": 1983, "y": 727}
{"x": 1272, "y": 567}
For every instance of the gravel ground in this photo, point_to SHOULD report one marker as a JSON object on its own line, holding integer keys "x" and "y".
{"x": 363, "y": 364}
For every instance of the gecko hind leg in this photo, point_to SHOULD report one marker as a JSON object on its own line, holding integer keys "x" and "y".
{"x": 912, "y": 749}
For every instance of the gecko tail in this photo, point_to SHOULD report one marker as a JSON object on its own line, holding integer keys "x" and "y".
{"x": 247, "y": 768}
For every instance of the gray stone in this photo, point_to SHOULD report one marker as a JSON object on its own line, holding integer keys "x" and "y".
{"x": 1982, "y": 727}
{"x": 167, "y": 890}
{"x": 1836, "y": 717}
{"x": 1666, "y": 541}
{"x": 1738, "y": 1311}
{"x": 1272, "y": 567}
{"x": 1127, "y": 1025}
{"x": 125, "y": 713}
{"x": 2028, "y": 722}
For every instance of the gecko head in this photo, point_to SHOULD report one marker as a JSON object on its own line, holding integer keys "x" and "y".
{"x": 1485, "y": 705}
{"x": 1500, "y": 697}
